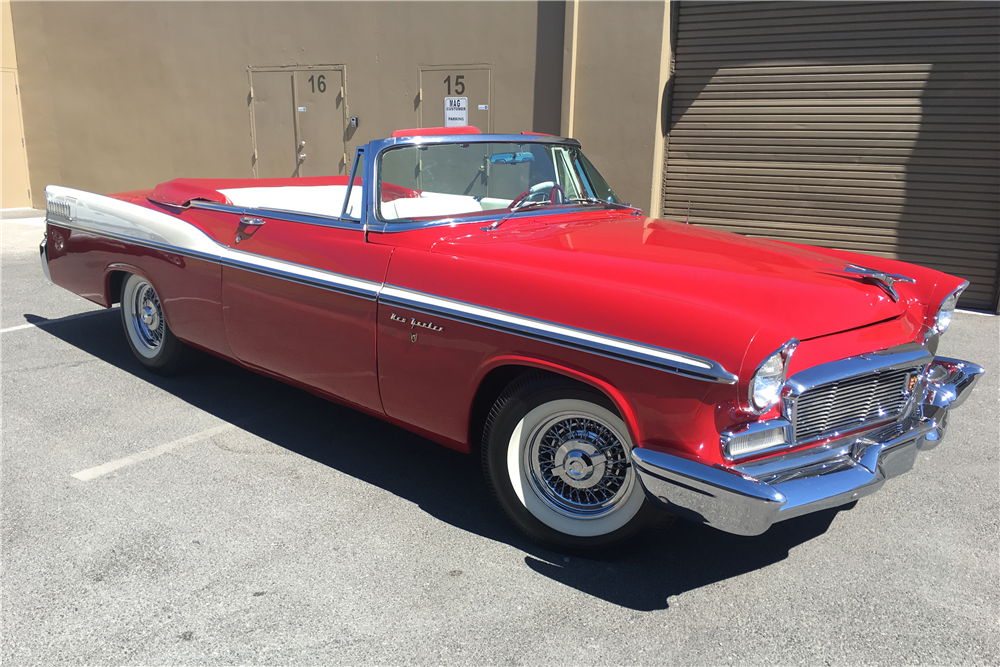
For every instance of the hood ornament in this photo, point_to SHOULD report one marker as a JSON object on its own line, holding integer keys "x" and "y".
{"x": 874, "y": 277}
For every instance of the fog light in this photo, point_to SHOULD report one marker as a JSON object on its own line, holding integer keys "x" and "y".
{"x": 754, "y": 438}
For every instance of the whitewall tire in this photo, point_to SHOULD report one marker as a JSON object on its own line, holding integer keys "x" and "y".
{"x": 146, "y": 328}
{"x": 558, "y": 458}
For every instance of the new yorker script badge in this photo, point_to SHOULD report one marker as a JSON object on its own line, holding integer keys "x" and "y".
{"x": 414, "y": 322}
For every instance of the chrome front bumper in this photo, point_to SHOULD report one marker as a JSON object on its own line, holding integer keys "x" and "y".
{"x": 747, "y": 498}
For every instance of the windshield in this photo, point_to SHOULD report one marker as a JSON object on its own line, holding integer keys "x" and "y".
{"x": 448, "y": 180}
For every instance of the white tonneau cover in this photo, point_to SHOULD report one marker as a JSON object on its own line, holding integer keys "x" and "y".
{"x": 326, "y": 200}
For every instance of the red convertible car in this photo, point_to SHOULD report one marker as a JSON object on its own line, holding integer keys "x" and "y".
{"x": 492, "y": 293}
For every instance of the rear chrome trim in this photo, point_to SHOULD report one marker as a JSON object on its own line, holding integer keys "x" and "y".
{"x": 215, "y": 258}
{"x": 138, "y": 225}
{"x": 246, "y": 261}
{"x": 660, "y": 358}
{"x": 43, "y": 255}
{"x": 237, "y": 259}
{"x": 124, "y": 221}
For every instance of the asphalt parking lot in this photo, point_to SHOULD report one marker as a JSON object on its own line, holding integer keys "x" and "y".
{"x": 221, "y": 517}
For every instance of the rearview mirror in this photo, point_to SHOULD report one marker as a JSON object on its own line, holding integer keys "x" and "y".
{"x": 511, "y": 158}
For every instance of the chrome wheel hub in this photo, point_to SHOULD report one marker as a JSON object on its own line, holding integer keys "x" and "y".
{"x": 579, "y": 465}
{"x": 147, "y": 316}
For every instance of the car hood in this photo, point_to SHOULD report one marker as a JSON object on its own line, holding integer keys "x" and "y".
{"x": 790, "y": 290}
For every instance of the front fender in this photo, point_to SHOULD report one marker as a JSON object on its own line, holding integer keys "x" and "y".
{"x": 621, "y": 403}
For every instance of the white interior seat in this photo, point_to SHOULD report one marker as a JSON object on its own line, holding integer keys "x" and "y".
{"x": 326, "y": 200}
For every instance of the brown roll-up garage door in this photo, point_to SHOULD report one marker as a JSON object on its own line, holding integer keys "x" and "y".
{"x": 872, "y": 127}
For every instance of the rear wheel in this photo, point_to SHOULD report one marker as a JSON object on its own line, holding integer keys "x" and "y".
{"x": 559, "y": 460}
{"x": 146, "y": 329}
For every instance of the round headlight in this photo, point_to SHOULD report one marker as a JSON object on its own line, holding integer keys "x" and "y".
{"x": 769, "y": 378}
{"x": 947, "y": 310}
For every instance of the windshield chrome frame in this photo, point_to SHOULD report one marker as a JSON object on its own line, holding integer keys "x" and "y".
{"x": 376, "y": 148}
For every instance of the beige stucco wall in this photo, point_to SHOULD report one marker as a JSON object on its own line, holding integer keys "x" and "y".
{"x": 13, "y": 159}
{"x": 119, "y": 96}
{"x": 617, "y": 90}
{"x": 8, "y": 54}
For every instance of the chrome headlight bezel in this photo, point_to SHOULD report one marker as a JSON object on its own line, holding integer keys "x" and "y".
{"x": 768, "y": 380}
{"x": 945, "y": 312}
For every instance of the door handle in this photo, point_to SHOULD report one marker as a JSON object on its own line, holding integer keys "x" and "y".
{"x": 251, "y": 222}
{"x": 302, "y": 157}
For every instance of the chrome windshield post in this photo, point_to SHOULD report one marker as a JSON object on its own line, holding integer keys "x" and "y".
{"x": 359, "y": 156}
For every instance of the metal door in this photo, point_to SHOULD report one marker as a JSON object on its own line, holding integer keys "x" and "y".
{"x": 472, "y": 82}
{"x": 298, "y": 121}
{"x": 319, "y": 121}
{"x": 273, "y": 123}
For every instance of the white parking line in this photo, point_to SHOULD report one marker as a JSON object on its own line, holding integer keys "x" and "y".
{"x": 44, "y": 323}
{"x": 111, "y": 466}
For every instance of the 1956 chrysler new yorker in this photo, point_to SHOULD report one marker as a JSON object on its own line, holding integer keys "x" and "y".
{"x": 491, "y": 293}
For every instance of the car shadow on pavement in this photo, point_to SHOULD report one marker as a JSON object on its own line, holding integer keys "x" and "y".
{"x": 680, "y": 558}
{"x": 447, "y": 485}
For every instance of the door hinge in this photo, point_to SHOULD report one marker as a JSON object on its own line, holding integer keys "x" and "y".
{"x": 22, "y": 142}
{"x": 16, "y": 92}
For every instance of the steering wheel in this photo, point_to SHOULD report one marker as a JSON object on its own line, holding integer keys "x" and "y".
{"x": 537, "y": 191}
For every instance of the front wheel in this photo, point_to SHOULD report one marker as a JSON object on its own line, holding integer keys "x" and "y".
{"x": 559, "y": 461}
{"x": 146, "y": 329}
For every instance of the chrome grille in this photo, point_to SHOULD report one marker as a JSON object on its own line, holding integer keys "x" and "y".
{"x": 851, "y": 403}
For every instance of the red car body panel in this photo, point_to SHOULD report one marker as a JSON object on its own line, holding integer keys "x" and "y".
{"x": 318, "y": 337}
{"x": 713, "y": 294}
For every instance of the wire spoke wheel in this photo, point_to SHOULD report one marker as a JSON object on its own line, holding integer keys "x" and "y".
{"x": 147, "y": 316}
{"x": 558, "y": 458}
{"x": 146, "y": 328}
{"x": 579, "y": 465}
